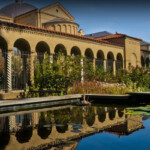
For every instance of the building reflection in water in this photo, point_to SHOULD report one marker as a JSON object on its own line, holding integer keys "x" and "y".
{"x": 39, "y": 130}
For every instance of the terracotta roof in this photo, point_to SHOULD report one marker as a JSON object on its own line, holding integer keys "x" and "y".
{"x": 23, "y": 26}
{"x": 117, "y": 35}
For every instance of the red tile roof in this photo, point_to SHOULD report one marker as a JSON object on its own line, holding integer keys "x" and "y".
{"x": 23, "y": 26}
{"x": 117, "y": 35}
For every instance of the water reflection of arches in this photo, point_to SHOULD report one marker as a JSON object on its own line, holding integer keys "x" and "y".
{"x": 77, "y": 115}
{"x": 120, "y": 112}
{"x": 62, "y": 118}
{"x": 90, "y": 116}
{"x": 101, "y": 114}
{"x": 24, "y": 134}
{"x": 112, "y": 113}
{"x": 44, "y": 126}
{"x": 4, "y": 132}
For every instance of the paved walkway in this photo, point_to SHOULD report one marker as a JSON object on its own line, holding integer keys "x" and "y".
{"x": 27, "y": 101}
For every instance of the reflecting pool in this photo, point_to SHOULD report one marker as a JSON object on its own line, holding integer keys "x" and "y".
{"x": 96, "y": 127}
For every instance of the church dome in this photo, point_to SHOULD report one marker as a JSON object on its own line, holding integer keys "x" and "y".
{"x": 16, "y": 9}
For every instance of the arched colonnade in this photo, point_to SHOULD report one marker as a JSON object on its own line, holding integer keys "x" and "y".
{"x": 23, "y": 55}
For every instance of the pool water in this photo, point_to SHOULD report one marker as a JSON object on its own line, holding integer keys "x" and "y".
{"x": 95, "y": 127}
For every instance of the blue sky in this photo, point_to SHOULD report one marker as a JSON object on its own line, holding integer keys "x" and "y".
{"x": 124, "y": 16}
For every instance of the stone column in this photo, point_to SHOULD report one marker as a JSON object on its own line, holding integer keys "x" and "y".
{"x": 8, "y": 71}
{"x": 32, "y": 56}
{"x": 24, "y": 72}
{"x": 114, "y": 67}
{"x": 105, "y": 65}
{"x": 51, "y": 58}
{"x": 5, "y": 70}
{"x": 94, "y": 64}
{"x": 82, "y": 70}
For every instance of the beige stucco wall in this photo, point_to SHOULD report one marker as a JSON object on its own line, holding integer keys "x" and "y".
{"x": 28, "y": 19}
{"x": 145, "y": 47}
{"x": 63, "y": 27}
{"x": 7, "y": 19}
{"x": 132, "y": 52}
{"x": 33, "y": 37}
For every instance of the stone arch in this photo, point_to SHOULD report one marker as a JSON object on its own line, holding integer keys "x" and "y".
{"x": 64, "y": 28}
{"x": 59, "y": 27}
{"x": 100, "y": 58}
{"x": 69, "y": 28}
{"x": 142, "y": 61}
{"x": 75, "y": 51}
{"x": 20, "y": 64}
{"x": 89, "y": 54}
{"x": 112, "y": 113}
{"x": 42, "y": 48}
{"x": 119, "y": 61}
{"x": 101, "y": 114}
{"x": 147, "y": 62}
{"x": 133, "y": 60}
{"x": 60, "y": 48}
{"x": 74, "y": 30}
{"x": 110, "y": 59}
{"x": 22, "y": 45}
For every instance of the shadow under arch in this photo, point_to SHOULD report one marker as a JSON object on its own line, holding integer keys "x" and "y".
{"x": 147, "y": 62}
{"x": 101, "y": 114}
{"x": 100, "y": 59}
{"x": 62, "y": 118}
{"x": 119, "y": 61}
{"x": 44, "y": 126}
{"x": 142, "y": 61}
{"x": 23, "y": 45}
{"x": 110, "y": 59}
{"x": 20, "y": 64}
{"x": 25, "y": 133}
{"x": 60, "y": 49}
{"x": 77, "y": 115}
{"x": 3, "y": 44}
{"x": 42, "y": 48}
{"x": 3, "y": 51}
{"x": 75, "y": 51}
{"x": 4, "y": 132}
{"x": 120, "y": 112}
{"x": 112, "y": 113}
{"x": 89, "y": 54}
{"x": 90, "y": 116}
